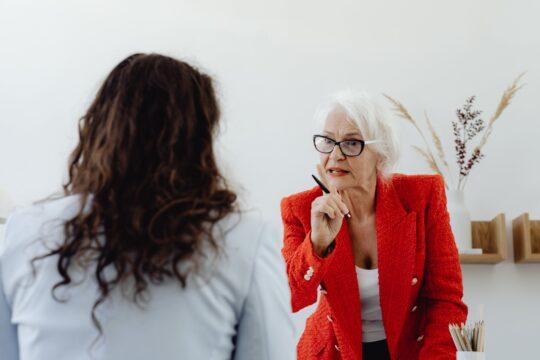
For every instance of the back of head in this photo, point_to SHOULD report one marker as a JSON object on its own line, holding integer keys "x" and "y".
{"x": 146, "y": 174}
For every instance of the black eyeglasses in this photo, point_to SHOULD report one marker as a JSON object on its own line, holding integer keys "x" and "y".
{"x": 351, "y": 147}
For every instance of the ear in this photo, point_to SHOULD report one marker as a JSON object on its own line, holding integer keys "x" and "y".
{"x": 380, "y": 165}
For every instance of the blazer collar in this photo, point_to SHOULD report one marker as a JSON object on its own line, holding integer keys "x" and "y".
{"x": 388, "y": 207}
{"x": 396, "y": 250}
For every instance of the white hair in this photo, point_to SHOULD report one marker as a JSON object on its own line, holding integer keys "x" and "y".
{"x": 372, "y": 119}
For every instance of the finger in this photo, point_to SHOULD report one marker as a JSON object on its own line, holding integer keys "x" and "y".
{"x": 345, "y": 201}
{"x": 330, "y": 201}
{"x": 342, "y": 199}
{"x": 340, "y": 204}
{"x": 332, "y": 188}
{"x": 328, "y": 210}
{"x": 316, "y": 203}
{"x": 338, "y": 209}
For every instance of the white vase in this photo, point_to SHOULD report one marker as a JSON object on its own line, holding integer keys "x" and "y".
{"x": 470, "y": 355}
{"x": 460, "y": 219}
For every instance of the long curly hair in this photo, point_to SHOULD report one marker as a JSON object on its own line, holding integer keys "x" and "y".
{"x": 145, "y": 171}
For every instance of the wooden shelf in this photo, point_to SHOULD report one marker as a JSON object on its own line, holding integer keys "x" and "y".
{"x": 526, "y": 239}
{"x": 490, "y": 236}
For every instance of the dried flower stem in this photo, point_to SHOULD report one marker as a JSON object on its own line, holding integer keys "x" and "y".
{"x": 506, "y": 98}
{"x": 465, "y": 129}
{"x": 428, "y": 155}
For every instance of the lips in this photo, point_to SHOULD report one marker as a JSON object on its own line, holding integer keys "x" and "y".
{"x": 335, "y": 170}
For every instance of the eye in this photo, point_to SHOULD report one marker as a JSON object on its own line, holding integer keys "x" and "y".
{"x": 327, "y": 141}
{"x": 352, "y": 143}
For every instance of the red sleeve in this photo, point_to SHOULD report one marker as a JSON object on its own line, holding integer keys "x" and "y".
{"x": 305, "y": 269}
{"x": 442, "y": 288}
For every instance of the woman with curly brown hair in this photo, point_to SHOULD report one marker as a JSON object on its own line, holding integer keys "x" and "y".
{"x": 147, "y": 255}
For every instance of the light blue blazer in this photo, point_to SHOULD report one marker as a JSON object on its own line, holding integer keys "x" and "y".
{"x": 237, "y": 307}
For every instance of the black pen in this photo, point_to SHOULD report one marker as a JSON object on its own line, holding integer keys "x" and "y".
{"x": 321, "y": 185}
{"x": 326, "y": 191}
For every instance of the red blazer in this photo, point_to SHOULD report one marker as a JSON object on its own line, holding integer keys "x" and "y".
{"x": 420, "y": 283}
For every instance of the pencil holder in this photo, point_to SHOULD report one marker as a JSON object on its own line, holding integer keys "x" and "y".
{"x": 470, "y": 355}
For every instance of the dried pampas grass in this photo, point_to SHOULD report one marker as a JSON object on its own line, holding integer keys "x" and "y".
{"x": 437, "y": 160}
{"x": 426, "y": 153}
{"x": 506, "y": 98}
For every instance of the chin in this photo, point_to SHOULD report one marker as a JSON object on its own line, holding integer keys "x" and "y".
{"x": 340, "y": 183}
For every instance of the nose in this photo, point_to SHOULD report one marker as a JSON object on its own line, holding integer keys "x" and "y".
{"x": 336, "y": 154}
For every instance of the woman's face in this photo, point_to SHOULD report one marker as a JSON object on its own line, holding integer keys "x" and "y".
{"x": 346, "y": 171}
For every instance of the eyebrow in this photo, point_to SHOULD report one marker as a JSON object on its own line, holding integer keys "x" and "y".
{"x": 347, "y": 134}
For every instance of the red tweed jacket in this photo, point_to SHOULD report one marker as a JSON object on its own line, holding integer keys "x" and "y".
{"x": 420, "y": 284}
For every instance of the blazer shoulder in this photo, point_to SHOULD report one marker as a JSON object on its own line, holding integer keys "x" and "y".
{"x": 43, "y": 220}
{"x": 300, "y": 200}
{"x": 417, "y": 180}
{"x": 412, "y": 188}
{"x": 303, "y": 196}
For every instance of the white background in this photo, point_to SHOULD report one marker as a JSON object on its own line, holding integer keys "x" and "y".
{"x": 274, "y": 62}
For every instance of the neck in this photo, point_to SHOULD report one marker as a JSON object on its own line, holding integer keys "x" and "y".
{"x": 361, "y": 200}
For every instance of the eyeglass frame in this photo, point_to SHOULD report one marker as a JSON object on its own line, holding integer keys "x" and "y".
{"x": 338, "y": 143}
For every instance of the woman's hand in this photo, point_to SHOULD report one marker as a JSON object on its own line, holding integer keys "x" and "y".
{"x": 327, "y": 213}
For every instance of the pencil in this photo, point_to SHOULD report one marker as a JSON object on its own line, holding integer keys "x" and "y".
{"x": 454, "y": 338}
{"x": 482, "y": 339}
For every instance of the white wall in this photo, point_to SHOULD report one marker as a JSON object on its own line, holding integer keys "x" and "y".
{"x": 275, "y": 61}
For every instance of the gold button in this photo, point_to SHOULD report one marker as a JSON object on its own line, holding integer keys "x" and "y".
{"x": 307, "y": 277}
{"x": 414, "y": 281}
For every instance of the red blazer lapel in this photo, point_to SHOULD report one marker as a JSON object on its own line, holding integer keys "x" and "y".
{"x": 396, "y": 247}
{"x": 343, "y": 293}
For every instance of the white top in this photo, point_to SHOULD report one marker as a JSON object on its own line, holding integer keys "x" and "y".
{"x": 241, "y": 297}
{"x": 372, "y": 325}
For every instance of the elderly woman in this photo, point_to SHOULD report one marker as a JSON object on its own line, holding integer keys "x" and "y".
{"x": 378, "y": 248}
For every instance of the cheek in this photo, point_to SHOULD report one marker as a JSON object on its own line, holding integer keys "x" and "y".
{"x": 357, "y": 165}
{"x": 362, "y": 167}
{"x": 323, "y": 159}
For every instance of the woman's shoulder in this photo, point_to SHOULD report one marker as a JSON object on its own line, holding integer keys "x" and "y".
{"x": 242, "y": 224}
{"x": 34, "y": 221}
{"x": 298, "y": 205}
{"x": 29, "y": 232}
{"x": 302, "y": 198}
{"x": 417, "y": 181}
{"x": 244, "y": 233}
{"x": 417, "y": 188}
